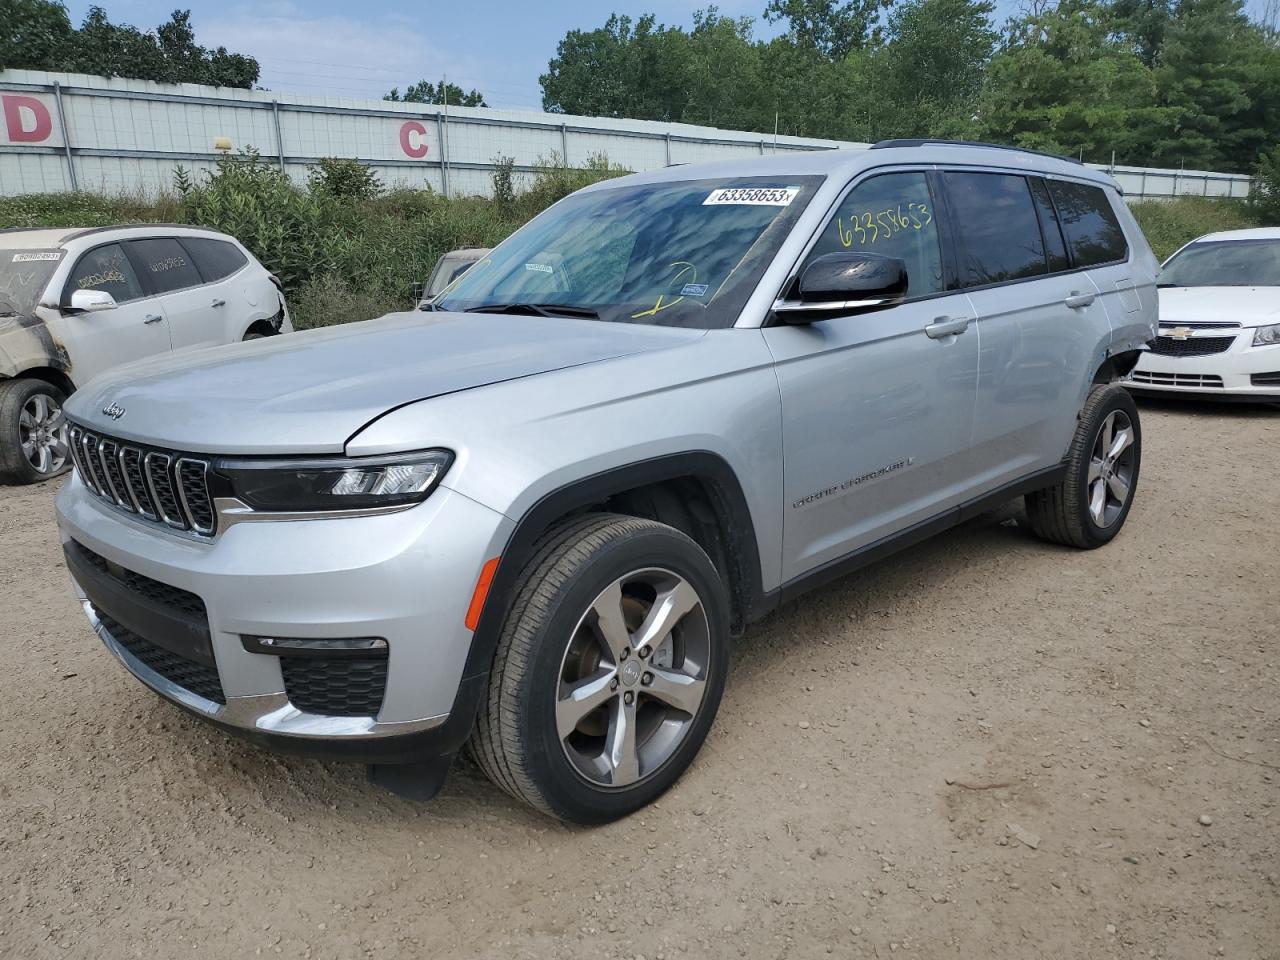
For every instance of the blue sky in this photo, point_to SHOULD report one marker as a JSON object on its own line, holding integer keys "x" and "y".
{"x": 345, "y": 49}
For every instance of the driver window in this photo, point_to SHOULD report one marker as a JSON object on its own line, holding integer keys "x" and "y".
{"x": 891, "y": 214}
{"x": 105, "y": 268}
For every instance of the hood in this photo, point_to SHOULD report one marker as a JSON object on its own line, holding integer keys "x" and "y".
{"x": 1247, "y": 306}
{"x": 310, "y": 392}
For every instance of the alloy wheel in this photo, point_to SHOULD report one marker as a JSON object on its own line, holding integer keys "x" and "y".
{"x": 42, "y": 434}
{"x": 1111, "y": 469}
{"x": 632, "y": 678}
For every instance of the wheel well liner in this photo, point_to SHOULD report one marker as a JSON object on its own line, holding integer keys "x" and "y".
{"x": 50, "y": 375}
{"x": 647, "y": 479}
{"x": 1117, "y": 366}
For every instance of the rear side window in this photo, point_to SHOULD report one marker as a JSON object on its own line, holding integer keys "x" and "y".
{"x": 104, "y": 268}
{"x": 997, "y": 231}
{"x": 891, "y": 214}
{"x": 1053, "y": 242}
{"x": 164, "y": 263}
{"x": 1092, "y": 230}
{"x": 215, "y": 259}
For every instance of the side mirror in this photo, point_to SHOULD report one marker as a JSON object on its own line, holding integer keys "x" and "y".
{"x": 843, "y": 284}
{"x": 91, "y": 301}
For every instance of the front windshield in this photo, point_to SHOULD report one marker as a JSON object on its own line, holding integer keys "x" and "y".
{"x": 23, "y": 276}
{"x": 1224, "y": 263}
{"x": 680, "y": 253}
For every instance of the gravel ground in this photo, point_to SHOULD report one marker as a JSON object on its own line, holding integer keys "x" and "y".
{"x": 985, "y": 747}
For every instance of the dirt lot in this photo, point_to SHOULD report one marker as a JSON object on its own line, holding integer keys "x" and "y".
{"x": 985, "y": 747}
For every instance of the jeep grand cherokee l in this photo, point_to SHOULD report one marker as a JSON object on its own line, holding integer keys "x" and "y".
{"x": 531, "y": 518}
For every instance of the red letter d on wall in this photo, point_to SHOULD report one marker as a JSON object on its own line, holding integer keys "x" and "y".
{"x": 26, "y": 119}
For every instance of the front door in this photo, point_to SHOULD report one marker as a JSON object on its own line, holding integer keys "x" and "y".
{"x": 136, "y": 328}
{"x": 877, "y": 413}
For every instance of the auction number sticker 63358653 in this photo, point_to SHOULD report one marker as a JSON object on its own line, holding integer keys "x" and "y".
{"x": 752, "y": 196}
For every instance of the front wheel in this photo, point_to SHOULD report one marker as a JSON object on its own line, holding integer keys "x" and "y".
{"x": 1089, "y": 506}
{"x": 609, "y": 670}
{"x": 33, "y": 432}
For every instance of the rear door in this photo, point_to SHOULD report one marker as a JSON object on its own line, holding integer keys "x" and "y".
{"x": 136, "y": 328}
{"x": 166, "y": 266}
{"x": 233, "y": 296}
{"x": 1039, "y": 322}
{"x": 876, "y": 413}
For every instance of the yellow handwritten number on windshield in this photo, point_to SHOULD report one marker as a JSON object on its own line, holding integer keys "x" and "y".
{"x": 663, "y": 303}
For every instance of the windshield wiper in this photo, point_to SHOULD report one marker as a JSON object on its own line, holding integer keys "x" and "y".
{"x": 1165, "y": 285}
{"x": 537, "y": 310}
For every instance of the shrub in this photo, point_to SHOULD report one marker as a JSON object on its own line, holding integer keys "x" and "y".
{"x": 343, "y": 178}
{"x": 1265, "y": 198}
{"x": 1168, "y": 224}
{"x": 504, "y": 188}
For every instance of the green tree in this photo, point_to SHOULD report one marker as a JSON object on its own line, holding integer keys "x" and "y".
{"x": 1211, "y": 78}
{"x": 833, "y": 30}
{"x": 927, "y": 79}
{"x": 1063, "y": 83}
{"x": 424, "y": 91}
{"x": 33, "y": 32}
{"x": 38, "y": 36}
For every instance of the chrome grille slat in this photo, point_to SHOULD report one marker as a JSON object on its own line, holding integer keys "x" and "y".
{"x": 155, "y": 485}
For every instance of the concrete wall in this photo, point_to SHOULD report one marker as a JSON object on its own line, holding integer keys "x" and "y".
{"x": 63, "y": 131}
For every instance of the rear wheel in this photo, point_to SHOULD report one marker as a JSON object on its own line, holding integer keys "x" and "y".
{"x": 33, "y": 432}
{"x": 609, "y": 670}
{"x": 1089, "y": 506}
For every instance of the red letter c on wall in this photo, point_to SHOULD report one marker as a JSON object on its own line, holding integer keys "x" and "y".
{"x": 16, "y": 122}
{"x": 415, "y": 150}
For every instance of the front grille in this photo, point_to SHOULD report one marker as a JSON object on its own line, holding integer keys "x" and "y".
{"x": 175, "y": 598}
{"x": 1176, "y": 379}
{"x": 1266, "y": 379}
{"x": 335, "y": 686}
{"x": 1192, "y": 346}
{"x": 158, "y": 485}
{"x": 196, "y": 677}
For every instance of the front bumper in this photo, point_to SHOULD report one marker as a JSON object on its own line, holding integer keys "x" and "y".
{"x": 1229, "y": 374}
{"x": 407, "y": 577}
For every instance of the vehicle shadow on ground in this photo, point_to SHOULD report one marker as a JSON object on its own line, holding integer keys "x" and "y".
{"x": 1240, "y": 410}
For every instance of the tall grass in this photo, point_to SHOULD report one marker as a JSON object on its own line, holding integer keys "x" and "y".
{"x": 1168, "y": 224}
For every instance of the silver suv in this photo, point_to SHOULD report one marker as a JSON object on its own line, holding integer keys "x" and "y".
{"x": 531, "y": 518}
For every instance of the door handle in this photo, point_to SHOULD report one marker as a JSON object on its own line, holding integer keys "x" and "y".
{"x": 946, "y": 326}
{"x": 1077, "y": 300}
{"x": 152, "y": 318}
{"x": 218, "y": 303}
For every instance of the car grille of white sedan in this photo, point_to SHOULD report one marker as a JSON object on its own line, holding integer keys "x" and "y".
{"x": 1176, "y": 379}
{"x": 157, "y": 485}
{"x": 1167, "y": 346}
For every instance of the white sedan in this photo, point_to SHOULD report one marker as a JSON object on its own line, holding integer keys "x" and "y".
{"x": 1219, "y": 319}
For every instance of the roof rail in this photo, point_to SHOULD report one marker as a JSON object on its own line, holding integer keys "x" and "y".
{"x": 929, "y": 142}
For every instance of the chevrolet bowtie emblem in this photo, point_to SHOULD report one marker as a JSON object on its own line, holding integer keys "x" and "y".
{"x": 1179, "y": 333}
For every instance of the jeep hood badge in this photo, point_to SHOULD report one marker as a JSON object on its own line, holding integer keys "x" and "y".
{"x": 114, "y": 411}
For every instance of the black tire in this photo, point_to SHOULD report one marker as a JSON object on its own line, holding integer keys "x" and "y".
{"x": 1061, "y": 513}
{"x": 516, "y": 741}
{"x": 15, "y": 467}
{"x": 253, "y": 335}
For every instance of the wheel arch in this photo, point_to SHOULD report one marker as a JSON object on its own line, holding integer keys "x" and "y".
{"x": 53, "y": 376}
{"x": 1116, "y": 366}
{"x": 697, "y": 492}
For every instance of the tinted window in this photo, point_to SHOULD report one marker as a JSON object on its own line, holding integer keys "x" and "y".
{"x": 1049, "y": 229}
{"x": 106, "y": 269}
{"x": 165, "y": 264}
{"x": 215, "y": 258}
{"x": 891, "y": 214}
{"x": 1224, "y": 263}
{"x": 996, "y": 227}
{"x": 1093, "y": 232}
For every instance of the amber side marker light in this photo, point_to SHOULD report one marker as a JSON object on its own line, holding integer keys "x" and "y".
{"x": 482, "y": 591}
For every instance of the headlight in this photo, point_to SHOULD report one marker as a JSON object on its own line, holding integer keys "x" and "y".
{"x": 1266, "y": 336}
{"x": 336, "y": 483}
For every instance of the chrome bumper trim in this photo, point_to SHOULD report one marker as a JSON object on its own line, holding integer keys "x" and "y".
{"x": 270, "y": 713}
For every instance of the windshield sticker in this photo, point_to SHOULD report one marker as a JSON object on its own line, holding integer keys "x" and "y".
{"x": 54, "y": 255}
{"x": 869, "y": 227}
{"x": 540, "y": 267}
{"x": 695, "y": 289}
{"x": 752, "y": 196}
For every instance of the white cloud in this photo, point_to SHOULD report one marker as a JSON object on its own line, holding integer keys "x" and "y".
{"x": 344, "y": 56}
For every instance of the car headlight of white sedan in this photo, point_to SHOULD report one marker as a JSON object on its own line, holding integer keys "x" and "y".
{"x": 1267, "y": 336}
